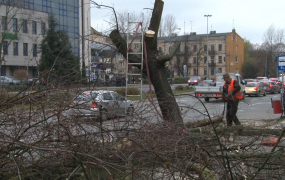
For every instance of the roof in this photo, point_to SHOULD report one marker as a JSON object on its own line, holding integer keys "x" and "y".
{"x": 194, "y": 37}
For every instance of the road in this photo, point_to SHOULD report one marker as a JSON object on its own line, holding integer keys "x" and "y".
{"x": 251, "y": 108}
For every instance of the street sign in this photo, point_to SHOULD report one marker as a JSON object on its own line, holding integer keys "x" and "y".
{"x": 281, "y": 62}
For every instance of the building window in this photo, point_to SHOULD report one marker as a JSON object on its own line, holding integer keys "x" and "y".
{"x": 25, "y": 49}
{"x": 205, "y": 60}
{"x": 220, "y": 59}
{"x": 43, "y": 28}
{"x": 236, "y": 47}
{"x": 205, "y": 71}
{"x": 35, "y": 50}
{"x": 212, "y": 47}
{"x": 194, "y": 60}
{"x": 205, "y": 47}
{"x": 212, "y": 59}
{"x": 34, "y": 27}
{"x": 186, "y": 49}
{"x": 160, "y": 49}
{"x": 15, "y": 48}
{"x": 220, "y": 70}
{"x": 195, "y": 48}
{"x": 220, "y": 47}
{"x": 170, "y": 48}
{"x": 195, "y": 71}
{"x": 4, "y": 23}
{"x": 236, "y": 59}
{"x": 15, "y": 24}
{"x": 62, "y": 9}
{"x": 5, "y": 47}
{"x": 29, "y": 5}
{"x": 212, "y": 71}
{"x": 25, "y": 26}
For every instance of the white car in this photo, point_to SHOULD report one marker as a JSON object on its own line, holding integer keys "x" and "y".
{"x": 9, "y": 80}
{"x": 254, "y": 88}
{"x": 100, "y": 103}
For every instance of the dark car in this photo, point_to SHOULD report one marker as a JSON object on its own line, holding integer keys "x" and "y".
{"x": 206, "y": 83}
{"x": 248, "y": 80}
{"x": 270, "y": 86}
{"x": 194, "y": 80}
{"x": 261, "y": 78}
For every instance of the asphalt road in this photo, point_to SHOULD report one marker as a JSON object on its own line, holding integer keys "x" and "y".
{"x": 251, "y": 108}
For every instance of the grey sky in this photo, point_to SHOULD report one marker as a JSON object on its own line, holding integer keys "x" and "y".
{"x": 250, "y": 18}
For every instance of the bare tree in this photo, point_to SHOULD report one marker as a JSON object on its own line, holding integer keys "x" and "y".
{"x": 274, "y": 44}
{"x": 169, "y": 25}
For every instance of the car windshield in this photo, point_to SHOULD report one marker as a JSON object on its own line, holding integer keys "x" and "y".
{"x": 250, "y": 84}
{"x": 86, "y": 96}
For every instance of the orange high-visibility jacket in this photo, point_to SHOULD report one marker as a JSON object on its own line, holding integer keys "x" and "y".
{"x": 231, "y": 88}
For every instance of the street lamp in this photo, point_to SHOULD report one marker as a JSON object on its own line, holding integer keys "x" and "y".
{"x": 207, "y": 47}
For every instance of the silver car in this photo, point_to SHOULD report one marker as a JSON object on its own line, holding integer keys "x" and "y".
{"x": 100, "y": 103}
{"x": 254, "y": 88}
{"x": 9, "y": 80}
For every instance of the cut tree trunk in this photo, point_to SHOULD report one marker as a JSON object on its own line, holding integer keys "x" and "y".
{"x": 156, "y": 64}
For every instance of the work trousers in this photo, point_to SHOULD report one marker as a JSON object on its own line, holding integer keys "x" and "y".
{"x": 232, "y": 107}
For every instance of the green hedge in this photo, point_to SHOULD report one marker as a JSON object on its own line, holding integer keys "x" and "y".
{"x": 131, "y": 91}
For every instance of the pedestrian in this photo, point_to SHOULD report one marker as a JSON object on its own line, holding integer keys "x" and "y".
{"x": 232, "y": 94}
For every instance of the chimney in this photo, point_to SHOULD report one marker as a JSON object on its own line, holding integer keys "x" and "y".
{"x": 212, "y": 32}
{"x": 234, "y": 30}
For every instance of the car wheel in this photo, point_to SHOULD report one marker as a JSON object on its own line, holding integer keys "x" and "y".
{"x": 264, "y": 93}
{"x": 130, "y": 111}
{"x": 11, "y": 84}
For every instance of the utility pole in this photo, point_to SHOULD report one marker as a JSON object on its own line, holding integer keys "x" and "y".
{"x": 207, "y": 47}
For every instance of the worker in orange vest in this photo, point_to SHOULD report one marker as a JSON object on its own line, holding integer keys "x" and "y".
{"x": 232, "y": 95}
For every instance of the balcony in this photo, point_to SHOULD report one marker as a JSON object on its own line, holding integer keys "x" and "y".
{"x": 212, "y": 52}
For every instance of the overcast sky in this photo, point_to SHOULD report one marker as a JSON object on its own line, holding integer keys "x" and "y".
{"x": 250, "y": 18}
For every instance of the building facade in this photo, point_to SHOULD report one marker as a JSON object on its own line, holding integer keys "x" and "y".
{"x": 225, "y": 54}
{"x": 23, "y": 26}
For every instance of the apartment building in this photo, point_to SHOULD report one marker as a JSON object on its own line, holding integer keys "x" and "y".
{"x": 225, "y": 54}
{"x": 24, "y": 24}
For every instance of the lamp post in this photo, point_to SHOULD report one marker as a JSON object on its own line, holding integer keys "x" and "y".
{"x": 207, "y": 47}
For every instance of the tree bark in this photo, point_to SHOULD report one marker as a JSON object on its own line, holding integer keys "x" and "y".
{"x": 156, "y": 63}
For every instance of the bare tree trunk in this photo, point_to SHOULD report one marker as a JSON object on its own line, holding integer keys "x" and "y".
{"x": 168, "y": 105}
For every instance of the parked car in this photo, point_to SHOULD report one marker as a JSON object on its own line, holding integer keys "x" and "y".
{"x": 261, "y": 78}
{"x": 31, "y": 81}
{"x": 9, "y": 80}
{"x": 205, "y": 83}
{"x": 274, "y": 79}
{"x": 194, "y": 80}
{"x": 254, "y": 88}
{"x": 249, "y": 80}
{"x": 100, "y": 103}
{"x": 270, "y": 86}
